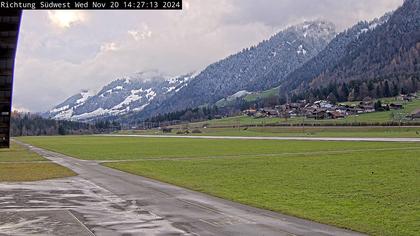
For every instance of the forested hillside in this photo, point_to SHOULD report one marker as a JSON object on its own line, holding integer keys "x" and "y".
{"x": 382, "y": 62}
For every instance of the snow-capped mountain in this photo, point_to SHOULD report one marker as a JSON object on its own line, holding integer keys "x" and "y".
{"x": 120, "y": 97}
{"x": 65, "y": 110}
{"x": 251, "y": 69}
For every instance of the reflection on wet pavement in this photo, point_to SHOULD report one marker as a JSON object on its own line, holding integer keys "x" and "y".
{"x": 33, "y": 222}
{"x": 59, "y": 205}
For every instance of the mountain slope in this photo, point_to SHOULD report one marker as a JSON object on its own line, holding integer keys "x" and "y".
{"x": 328, "y": 58}
{"x": 64, "y": 111}
{"x": 120, "y": 97}
{"x": 247, "y": 70}
{"x": 390, "y": 49}
{"x": 379, "y": 59}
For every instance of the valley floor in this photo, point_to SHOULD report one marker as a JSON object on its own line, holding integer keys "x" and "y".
{"x": 364, "y": 186}
{"x": 103, "y": 201}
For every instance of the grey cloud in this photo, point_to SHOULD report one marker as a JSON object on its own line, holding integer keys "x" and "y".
{"x": 283, "y": 12}
{"x": 53, "y": 64}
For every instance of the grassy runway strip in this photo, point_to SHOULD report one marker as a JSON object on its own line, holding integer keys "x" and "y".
{"x": 134, "y": 148}
{"x": 368, "y": 187}
{"x": 19, "y": 164}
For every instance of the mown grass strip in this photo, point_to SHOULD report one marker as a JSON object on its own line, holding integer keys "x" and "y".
{"x": 32, "y": 172}
{"x": 129, "y": 148}
{"x": 19, "y": 164}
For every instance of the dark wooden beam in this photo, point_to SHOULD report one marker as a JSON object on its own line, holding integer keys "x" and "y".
{"x": 9, "y": 32}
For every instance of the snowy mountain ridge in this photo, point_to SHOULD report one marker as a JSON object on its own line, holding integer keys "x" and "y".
{"x": 122, "y": 96}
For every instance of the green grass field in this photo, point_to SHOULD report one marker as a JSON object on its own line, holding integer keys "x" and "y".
{"x": 368, "y": 187}
{"x": 19, "y": 164}
{"x": 249, "y": 98}
{"x": 128, "y": 148}
{"x": 265, "y": 94}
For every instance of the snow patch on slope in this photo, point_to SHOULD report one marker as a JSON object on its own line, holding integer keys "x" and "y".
{"x": 85, "y": 96}
{"x": 375, "y": 23}
{"x": 301, "y": 50}
{"x": 239, "y": 94}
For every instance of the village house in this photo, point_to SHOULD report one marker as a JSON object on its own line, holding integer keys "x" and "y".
{"x": 261, "y": 113}
{"x": 394, "y": 106}
{"x": 335, "y": 115}
{"x": 250, "y": 112}
{"x": 324, "y": 109}
{"x": 323, "y": 104}
{"x": 369, "y": 108}
{"x": 407, "y": 97}
{"x": 318, "y": 114}
{"x": 270, "y": 112}
{"x": 344, "y": 109}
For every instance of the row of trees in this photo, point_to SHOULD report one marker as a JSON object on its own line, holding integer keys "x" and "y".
{"x": 358, "y": 90}
{"x": 26, "y": 124}
{"x": 196, "y": 114}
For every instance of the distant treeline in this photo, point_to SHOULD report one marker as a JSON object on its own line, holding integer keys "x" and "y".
{"x": 25, "y": 124}
{"x": 189, "y": 115}
{"x": 358, "y": 90}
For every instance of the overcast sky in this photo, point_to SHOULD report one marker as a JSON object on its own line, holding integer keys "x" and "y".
{"x": 62, "y": 52}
